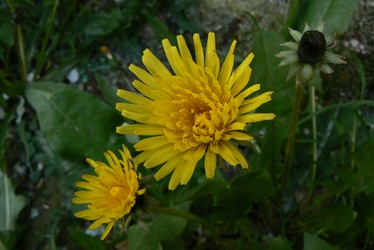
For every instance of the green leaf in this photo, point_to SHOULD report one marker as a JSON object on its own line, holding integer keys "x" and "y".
{"x": 108, "y": 91}
{"x": 190, "y": 25}
{"x": 101, "y": 24}
{"x": 313, "y": 242}
{"x": 86, "y": 241}
{"x": 265, "y": 70}
{"x": 6, "y": 32}
{"x": 335, "y": 218}
{"x": 163, "y": 228}
{"x": 75, "y": 124}
{"x": 255, "y": 186}
{"x": 10, "y": 204}
{"x": 336, "y": 14}
{"x": 364, "y": 159}
{"x": 160, "y": 29}
{"x": 278, "y": 243}
{"x": 243, "y": 191}
{"x": 7, "y": 239}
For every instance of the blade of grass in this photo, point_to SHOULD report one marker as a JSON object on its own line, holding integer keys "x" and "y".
{"x": 353, "y": 104}
{"x": 41, "y": 57}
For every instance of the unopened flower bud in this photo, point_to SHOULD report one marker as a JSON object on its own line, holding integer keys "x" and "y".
{"x": 312, "y": 47}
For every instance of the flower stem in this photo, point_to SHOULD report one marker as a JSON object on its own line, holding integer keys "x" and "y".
{"x": 21, "y": 53}
{"x": 292, "y": 133}
{"x": 268, "y": 212}
{"x": 314, "y": 127}
{"x": 41, "y": 58}
{"x": 293, "y": 10}
{"x": 20, "y": 46}
{"x": 182, "y": 214}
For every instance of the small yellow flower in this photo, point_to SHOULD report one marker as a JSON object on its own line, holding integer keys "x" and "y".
{"x": 110, "y": 195}
{"x": 308, "y": 53}
{"x": 202, "y": 109}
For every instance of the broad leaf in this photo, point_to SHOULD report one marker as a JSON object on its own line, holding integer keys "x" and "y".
{"x": 335, "y": 218}
{"x": 364, "y": 159}
{"x": 272, "y": 78}
{"x": 243, "y": 191}
{"x": 76, "y": 124}
{"x": 86, "y": 241}
{"x": 10, "y": 204}
{"x": 101, "y": 24}
{"x": 336, "y": 14}
{"x": 6, "y": 32}
{"x": 313, "y": 242}
{"x": 278, "y": 243}
{"x": 7, "y": 239}
{"x": 163, "y": 228}
{"x": 160, "y": 29}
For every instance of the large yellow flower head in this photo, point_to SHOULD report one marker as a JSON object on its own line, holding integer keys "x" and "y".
{"x": 110, "y": 195}
{"x": 200, "y": 109}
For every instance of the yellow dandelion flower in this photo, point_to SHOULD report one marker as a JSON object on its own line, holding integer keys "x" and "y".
{"x": 110, "y": 195}
{"x": 200, "y": 110}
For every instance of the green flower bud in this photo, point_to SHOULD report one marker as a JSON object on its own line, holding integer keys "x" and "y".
{"x": 312, "y": 47}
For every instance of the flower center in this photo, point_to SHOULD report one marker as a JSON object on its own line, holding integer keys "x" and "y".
{"x": 118, "y": 191}
{"x": 204, "y": 130}
{"x": 198, "y": 114}
{"x": 312, "y": 47}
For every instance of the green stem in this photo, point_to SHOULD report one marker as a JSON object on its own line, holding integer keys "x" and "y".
{"x": 10, "y": 5}
{"x": 21, "y": 53}
{"x": 361, "y": 97}
{"x": 293, "y": 12}
{"x": 292, "y": 133}
{"x": 182, "y": 214}
{"x": 41, "y": 58}
{"x": 314, "y": 127}
{"x": 20, "y": 47}
{"x": 268, "y": 213}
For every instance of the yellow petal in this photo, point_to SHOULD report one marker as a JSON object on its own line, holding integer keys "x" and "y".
{"x": 227, "y": 65}
{"x": 173, "y": 57}
{"x": 151, "y": 93}
{"x": 236, "y": 126}
{"x": 151, "y": 143}
{"x": 211, "y": 59}
{"x": 185, "y": 52}
{"x": 107, "y": 230}
{"x": 240, "y": 69}
{"x": 99, "y": 222}
{"x": 254, "y": 103}
{"x": 140, "y": 129}
{"x": 240, "y": 97}
{"x": 168, "y": 167}
{"x": 134, "y": 115}
{"x": 177, "y": 174}
{"x": 242, "y": 81}
{"x": 187, "y": 174}
{"x": 194, "y": 155}
{"x": 210, "y": 163}
{"x": 240, "y": 136}
{"x": 143, "y": 75}
{"x": 256, "y": 117}
{"x": 158, "y": 156}
{"x": 199, "y": 53}
{"x": 237, "y": 154}
{"x": 222, "y": 149}
{"x": 132, "y": 97}
{"x": 154, "y": 65}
